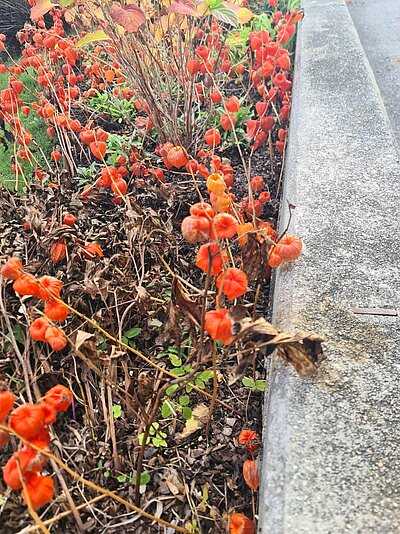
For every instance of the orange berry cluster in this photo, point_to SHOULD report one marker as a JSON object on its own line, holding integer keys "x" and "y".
{"x": 47, "y": 289}
{"x": 30, "y": 421}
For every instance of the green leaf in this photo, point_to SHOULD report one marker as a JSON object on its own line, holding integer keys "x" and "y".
{"x": 140, "y": 439}
{"x": 98, "y": 35}
{"x": 117, "y": 411}
{"x": 199, "y": 383}
{"x": 293, "y": 4}
{"x": 122, "y": 478}
{"x": 175, "y": 360}
{"x": 178, "y": 371}
{"x": 172, "y": 389}
{"x": 187, "y": 413}
{"x": 166, "y": 409}
{"x": 261, "y": 385}
{"x": 184, "y": 400}
{"x": 144, "y": 479}
{"x": 159, "y": 442}
{"x": 205, "y": 375}
{"x": 248, "y": 382}
{"x": 214, "y": 4}
{"x": 66, "y": 3}
{"x": 106, "y": 474}
{"x": 224, "y": 14}
{"x": 133, "y": 332}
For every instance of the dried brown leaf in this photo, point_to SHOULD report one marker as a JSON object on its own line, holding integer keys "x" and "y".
{"x": 188, "y": 307}
{"x": 302, "y": 350}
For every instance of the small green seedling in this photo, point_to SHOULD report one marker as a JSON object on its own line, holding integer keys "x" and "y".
{"x": 254, "y": 385}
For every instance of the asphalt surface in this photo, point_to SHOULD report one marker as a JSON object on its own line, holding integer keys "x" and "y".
{"x": 378, "y": 25}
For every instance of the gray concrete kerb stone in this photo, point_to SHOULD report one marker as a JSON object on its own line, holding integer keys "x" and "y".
{"x": 331, "y": 456}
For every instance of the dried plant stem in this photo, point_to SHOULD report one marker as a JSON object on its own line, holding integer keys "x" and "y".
{"x": 215, "y": 387}
{"x": 61, "y": 515}
{"x": 92, "y": 485}
{"x": 71, "y": 503}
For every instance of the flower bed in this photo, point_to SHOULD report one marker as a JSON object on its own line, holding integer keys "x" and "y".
{"x": 141, "y": 253}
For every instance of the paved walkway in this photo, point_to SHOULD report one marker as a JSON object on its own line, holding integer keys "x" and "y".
{"x": 331, "y": 456}
{"x": 378, "y": 25}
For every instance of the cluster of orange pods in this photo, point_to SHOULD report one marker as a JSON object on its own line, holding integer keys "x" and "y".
{"x": 30, "y": 421}
{"x": 47, "y": 289}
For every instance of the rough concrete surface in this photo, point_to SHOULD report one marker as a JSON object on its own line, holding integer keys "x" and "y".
{"x": 378, "y": 26}
{"x": 331, "y": 458}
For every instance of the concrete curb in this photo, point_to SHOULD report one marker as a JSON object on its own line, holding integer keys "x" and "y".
{"x": 331, "y": 457}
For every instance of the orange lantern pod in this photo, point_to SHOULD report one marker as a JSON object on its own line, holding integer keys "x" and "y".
{"x": 38, "y": 328}
{"x": 91, "y": 250}
{"x": 232, "y": 104}
{"x": 250, "y": 474}
{"x": 26, "y": 420}
{"x": 11, "y": 474}
{"x": 109, "y": 174}
{"x": 6, "y": 403}
{"x": 49, "y": 412}
{"x": 49, "y": 287}
{"x": 195, "y": 229}
{"x": 227, "y": 121}
{"x": 98, "y": 149}
{"x": 250, "y": 439}
{"x": 266, "y": 230}
{"x": 222, "y": 203}
{"x": 240, "y": 524}
{"x": 60, "y": 397}
{"x": 42, "y": 438}
{"x": 26, "y": 285}
{"x": 212, "y": 137}
{"x": 219, "y": 326}
{"x": 58, "y": 251}
{"x": 87, "y": 136}
{"x": 56, "y": 311}
{"x": 56, "y": 338}
{"x": 69, "y": 219}
{"x": 12, "y": 269}
{"x": 202, "y": 209}
{"x": 242, "y": 231}
{"x": 289, "y": 247}
{"x": 119, "y": 187}
{"x": 211, "y": 252}
{"x": 224, "y": 225}
{"x": 216, "y": 184}
{"x": 274, "y": 259}
{"x": 40, "y": 490}
{"x": 176, "y": 158}
{"x": 233, "y": 282}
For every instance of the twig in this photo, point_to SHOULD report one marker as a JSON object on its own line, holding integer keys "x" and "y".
{"x": 215, "y": 387}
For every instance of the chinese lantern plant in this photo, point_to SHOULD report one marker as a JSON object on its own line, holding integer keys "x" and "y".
{"x": 30, "y": 422}
{"x": 47, "y": 289}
